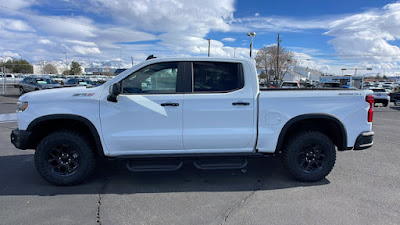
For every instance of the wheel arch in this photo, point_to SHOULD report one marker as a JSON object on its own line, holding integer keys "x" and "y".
{"x": 50, "y": 123}
{"x": 326, "y": 123}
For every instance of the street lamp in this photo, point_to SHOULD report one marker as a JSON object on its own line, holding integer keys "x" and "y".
{"x": 209, "y": 46}
{"x": 251, "y": 35}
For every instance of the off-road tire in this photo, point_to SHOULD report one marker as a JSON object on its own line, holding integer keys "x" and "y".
{"x": 294, "y": 159}
{"x": 82, "y": 155}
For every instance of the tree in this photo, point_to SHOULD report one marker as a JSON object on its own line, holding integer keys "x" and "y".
{"x": 75, "y": 68}
{"x": 378, "y": 76}
{"x": 384, "y": 77}
{"x": 49, "y": 69}
{"x": 276, "y": 67}
{"x": 18, "y": 66}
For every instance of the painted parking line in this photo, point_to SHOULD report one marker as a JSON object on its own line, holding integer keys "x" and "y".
{"x": 8, "y": 118}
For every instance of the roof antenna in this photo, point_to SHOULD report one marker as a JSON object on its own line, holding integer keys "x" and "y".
{"x": 151, "y": 57}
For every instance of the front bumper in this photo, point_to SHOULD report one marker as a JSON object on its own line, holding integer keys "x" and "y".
{"x": 364, "y": 140}
{"x": 20, "y": 138}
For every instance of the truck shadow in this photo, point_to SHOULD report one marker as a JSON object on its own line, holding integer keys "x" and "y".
{"x": 19, "y": 177}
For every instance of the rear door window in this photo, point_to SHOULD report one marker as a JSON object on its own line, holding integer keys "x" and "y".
{"x": 217, "y": 76}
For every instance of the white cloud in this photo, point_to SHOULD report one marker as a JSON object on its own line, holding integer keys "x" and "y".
{"x": 85, "y": 43}
{"x": 274, "y": 24}
{"x": 171, "y": 16}
{"x": 229, "y": 39}
{"x": 86, "y": 50}
{"x": 17, "y": 4}
{"x": 9, "y": 54}
{"x": 75, "y": 27}
{"x": 256, "y": 14}
{"x": 15, "y": 25}
{"x": 45, "y": 42}
{"x": 366, "y": 37}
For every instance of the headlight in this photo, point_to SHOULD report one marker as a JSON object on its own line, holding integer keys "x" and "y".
{"x": 21, "y": 106}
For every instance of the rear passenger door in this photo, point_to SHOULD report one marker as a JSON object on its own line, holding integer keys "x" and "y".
{"x": 218, "y": 112}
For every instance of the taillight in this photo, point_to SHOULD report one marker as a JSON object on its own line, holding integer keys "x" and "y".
{"x": 370, "y": 99}
{"x": 388, "y": 94}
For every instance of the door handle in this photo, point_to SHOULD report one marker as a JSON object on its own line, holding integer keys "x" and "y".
{"x": 169, "y": 104}
{"x": 240, "y": 103}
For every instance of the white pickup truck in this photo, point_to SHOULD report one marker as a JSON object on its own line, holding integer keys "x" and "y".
{"x": 162, "y": 112}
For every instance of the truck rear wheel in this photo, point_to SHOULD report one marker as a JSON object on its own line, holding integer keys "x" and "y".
{"x": 309, "y": 156}
{"x": 65, "y": 158}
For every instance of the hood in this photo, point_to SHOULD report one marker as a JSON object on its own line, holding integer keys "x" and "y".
{"x": 69, "y": 93}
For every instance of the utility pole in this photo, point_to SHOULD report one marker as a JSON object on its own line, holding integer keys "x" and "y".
{"x": 4, "y": 81}
{"x": 277, "y": 60}
{"x": 234, "y": 52}
{"x": 209, "y": 46}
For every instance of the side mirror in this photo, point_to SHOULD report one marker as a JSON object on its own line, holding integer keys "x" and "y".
{"x": 115, "y": 90}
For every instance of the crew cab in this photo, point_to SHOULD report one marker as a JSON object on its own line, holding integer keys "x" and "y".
{"x": 212, "y": 112}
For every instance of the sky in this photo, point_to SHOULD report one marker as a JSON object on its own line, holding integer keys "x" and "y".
{"x": 324, "y": 35}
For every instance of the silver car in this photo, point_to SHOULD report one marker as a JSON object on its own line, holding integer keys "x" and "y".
{"x": 34, "y": 84}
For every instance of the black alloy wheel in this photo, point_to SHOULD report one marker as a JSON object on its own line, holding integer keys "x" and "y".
{"x": 65, "y": 157}
{"x": 63, "y": 160}
{"x": 309, "y": 156}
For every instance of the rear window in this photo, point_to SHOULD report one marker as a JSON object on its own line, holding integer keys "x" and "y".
{"x": 217, "y": 76}
{"x": 378, "y": 90}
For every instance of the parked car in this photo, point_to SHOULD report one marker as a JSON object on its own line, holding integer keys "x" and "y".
{"x": 388, "y": 85}
{"x": 381, "y": 96}
{"x": 395, "y": 96}
{"x": 290, "y": 84}
{"x": 34, "y": 84}
{"x": 73, "y": 82}
{"x": 210, "y": 112}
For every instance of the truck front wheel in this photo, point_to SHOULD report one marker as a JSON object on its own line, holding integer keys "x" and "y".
{"x": 309, "y": 156}
{"x": 65, "y": 158}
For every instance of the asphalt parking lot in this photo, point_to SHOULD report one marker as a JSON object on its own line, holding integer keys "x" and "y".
{"x": 363, "y": 188}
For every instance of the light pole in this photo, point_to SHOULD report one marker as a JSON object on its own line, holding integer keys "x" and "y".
{"x": 209, "y": 46}
{"x": 251, "y": 35}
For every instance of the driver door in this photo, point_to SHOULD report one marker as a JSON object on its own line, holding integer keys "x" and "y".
{"x": 148, "y": 114}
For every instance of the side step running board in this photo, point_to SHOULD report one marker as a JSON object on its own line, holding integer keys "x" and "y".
{"x": 214, "y": 163}
{"x": 171, "y": 164}
{"x": 146, "y": 165}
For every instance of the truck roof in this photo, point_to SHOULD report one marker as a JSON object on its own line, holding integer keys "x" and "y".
{"x": 209, "y": 59}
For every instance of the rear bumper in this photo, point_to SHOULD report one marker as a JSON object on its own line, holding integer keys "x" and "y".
{"x": 20, "y": 138}
{"x": 364, "y": 140}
